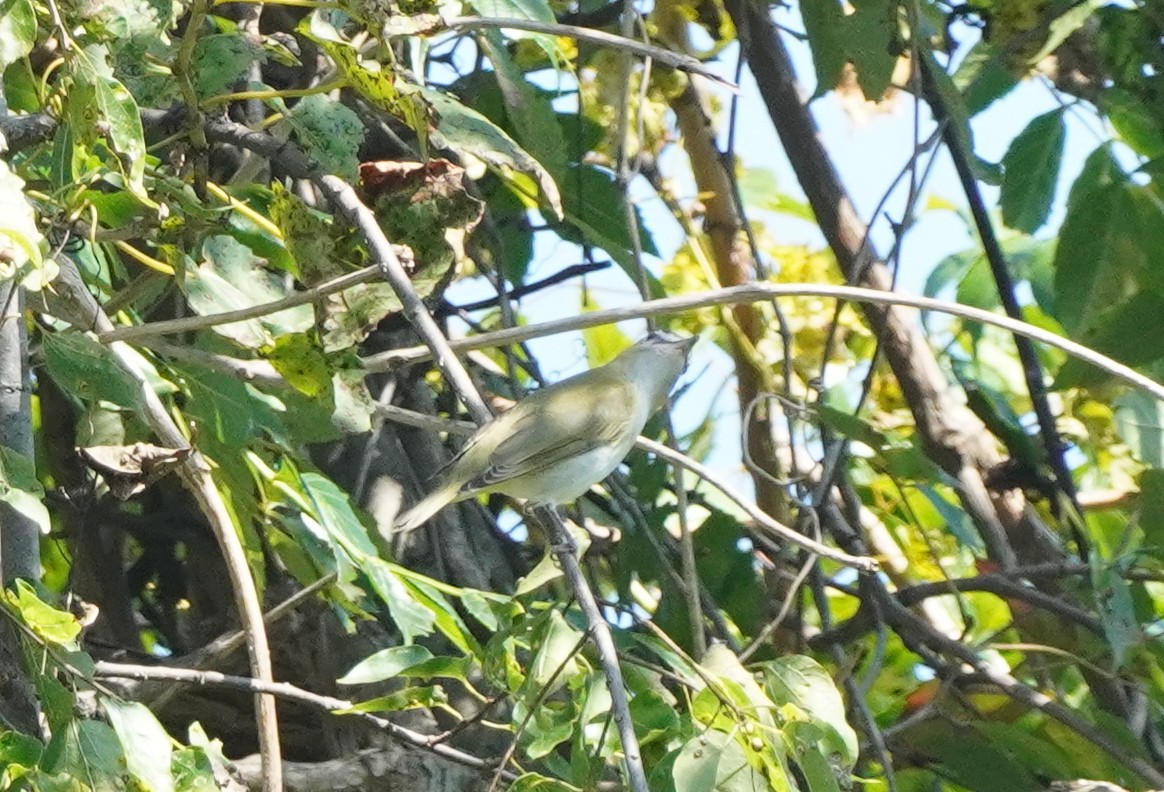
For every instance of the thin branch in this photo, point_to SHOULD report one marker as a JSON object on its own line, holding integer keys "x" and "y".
{"x": 258, "y": 371}
{"x": 1032, "y": 368}
{"x": 192, "y": 323}
{"x": 755, "y": 292}
{"x": 284, "y": 690}
{"x": 567, "y": 554}
{"x": 517, "y": 292}
{"x": 1005, "y": 587}
{"x": 781, "y": 531}
{"x": 675, "y": 60}
{"x": 949, "y": 433}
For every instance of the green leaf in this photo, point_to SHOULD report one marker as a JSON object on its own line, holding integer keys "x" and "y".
{"x": 97, "y": 101}
{"x": 221, "y": 60}
{"x": 1132, "y": 121}
{"x": 548, "y": 728}
{"x": 759, "y": 189}
{"x": 354, "y": 405}
{"x": 88, "y": 370}
{"x": 411, "y": 617}
{"x": 1064, "y": 25}
{"x": 955, "y": 104}
{"x": 594, "y": 206}
{"x": 556, "y": 660}
{"x": 862, "y": 38}
{"x": 20, "y": 238}
{"x": 124, "y": 23}
{"x": 233, "y": 277}
{"x": 50, "y": 625}
{"x": 463, "y": 129}
{"x": 193, "y": 771}
{"x": 532, "y": 782}
{"x": 1151, "y": 518}
{"x": 870, "y": 33}
{"x": 530, "y": 113}
{"x": 1140, "y": 421}
{"x": 459, "y": 668}
{"x": 444, "y": 615}
{"x": 19, "y": 749}
{"x": 1091, "y": 273}
{"x": 380, "y": 86}
{"x": 385, "y": 664}
{"x": 334, "y": 511}
{"x": 331, "y": 134}
{"x": 89, "y": 750}
{"x": 422, "y": 696}
{"x": 993, "y": 409}
{"x": 18, "y": 472}
{"x": 218, "y": 405}
{"x": 1117, "y": 611}
{"x": 532, "y": 10}
{"x": 715, "y": 762}
{"x": 982, "y": 77}
{"x": 824, "y": 22}
{"x": 298, "y": 357}
{"x": 354, "y": 313}
{"x": 803, "y": 682}
{"x": 956, "y": 519}
{"x": 308, "y": 235}
{"x": 1132, "y": 332}
{"x": 1031, "y": 170}
{"x": 145, "y": 743}
{"x": 478, "y": 607}
{"x": 17, "y": 30}
{"x": 20, "y": 488}
{"x": 545, "y": 571}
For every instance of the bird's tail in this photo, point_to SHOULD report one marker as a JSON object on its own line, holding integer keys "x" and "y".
{"x": 426, "y": 507}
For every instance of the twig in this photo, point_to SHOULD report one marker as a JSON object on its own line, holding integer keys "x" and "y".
{"x": 755, "y": 292}
{"x": 675, "y": 60}
{"x": 1003, "y": 587}
{"x": 257, "y": 371}
{"x": 285, "y": 690}
{"x": 789, "y": 599}
{"x": 532, "y": 709}
{"x": 566, "y": 553}
{"x": 1032, "y": 368}
{"x": 345, "y": 201}
{"x": 517, "y": 292}
{"x": 783, "y": 532}
{"x": 191, "y": 323}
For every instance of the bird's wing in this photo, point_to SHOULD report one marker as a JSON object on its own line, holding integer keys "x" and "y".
{"x": 529, "y": 448}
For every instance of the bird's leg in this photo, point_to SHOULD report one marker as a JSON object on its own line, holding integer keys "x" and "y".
{"x": 555, "y": 528}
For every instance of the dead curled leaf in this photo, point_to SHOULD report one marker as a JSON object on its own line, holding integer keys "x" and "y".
{"x": 128, "y": 470}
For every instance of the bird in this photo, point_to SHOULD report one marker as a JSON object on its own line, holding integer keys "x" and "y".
{"x": 560, "y": 440}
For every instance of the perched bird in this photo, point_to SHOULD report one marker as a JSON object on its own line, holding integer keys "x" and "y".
{"x": 561, "y": 440}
